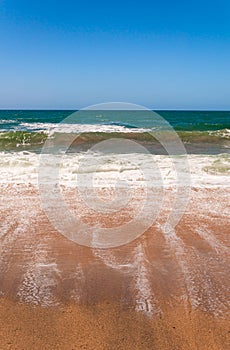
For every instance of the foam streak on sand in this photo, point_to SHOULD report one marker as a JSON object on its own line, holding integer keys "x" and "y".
{"x": 138, "y": 268}
{"x": 12, "y": 234}
{"x": 212, "y": 240}
{"x": 79, "y": 280}
{"x": 204, "y": 286}
{"x": 110, "y": 260}
{"x": 145, "y": 300}
{"x": 40, "y": 279}
{"x": 189, "y": 288}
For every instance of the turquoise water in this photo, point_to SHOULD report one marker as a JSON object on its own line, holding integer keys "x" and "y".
{"x": 180, "y": 120}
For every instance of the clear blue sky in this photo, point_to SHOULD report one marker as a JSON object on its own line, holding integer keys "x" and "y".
{"x": 70, "y": 54}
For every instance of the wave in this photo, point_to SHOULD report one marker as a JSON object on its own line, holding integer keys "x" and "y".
{"x": 126, "y": 125}
{"x": 8, "y": 121}
{"x": 17, "y": 140}
{"x": 80, "y": 128}
{"x": 21, "y": 139}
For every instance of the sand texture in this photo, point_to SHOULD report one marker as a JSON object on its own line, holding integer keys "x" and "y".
{"x": 161, "y": 291}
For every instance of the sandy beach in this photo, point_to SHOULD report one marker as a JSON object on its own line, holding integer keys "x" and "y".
{"x": 158, "y": 292}
{"x": 108, "y": 326}
{"x": 114, "y": 175}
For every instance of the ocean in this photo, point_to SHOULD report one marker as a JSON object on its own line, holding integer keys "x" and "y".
{"x": 202, "y": 132}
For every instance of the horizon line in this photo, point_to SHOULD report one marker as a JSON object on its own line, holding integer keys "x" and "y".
{"x": 147, "y": 109}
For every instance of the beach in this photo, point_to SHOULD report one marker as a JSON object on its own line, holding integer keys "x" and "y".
{"x": 116, "y": 246}
{"x": 107, "y": 326}
{"x": 114, "y": 175}
{"x": 158, "y": 292}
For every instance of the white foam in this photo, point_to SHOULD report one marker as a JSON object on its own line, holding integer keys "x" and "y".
{"x": 111, "y": 261}
{"x": 145, "y": 299}
{"x": 202, "y": 287}
{"x": 8, "y": 121}
{"x": 50, "y": 128}
{"x": 223, "y": 133}
{"x": 40, "y": 279}
{"x": 135, "y": 169}
{"x": 136, "y": 266}
{"x": 79, "y": 278}
{"x": 212, "y": 240}
{"x": 190, "y": 289}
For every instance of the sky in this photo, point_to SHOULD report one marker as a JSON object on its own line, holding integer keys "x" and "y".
{"x": 72, "y": 54}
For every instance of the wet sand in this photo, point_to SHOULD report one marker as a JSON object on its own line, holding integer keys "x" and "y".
{"x": 158, "y": 292}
